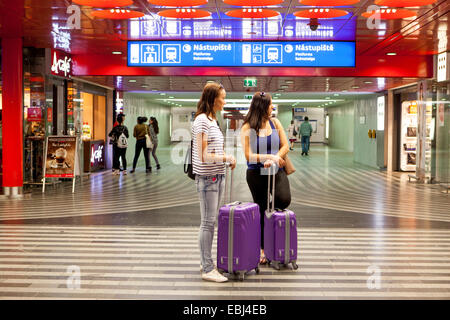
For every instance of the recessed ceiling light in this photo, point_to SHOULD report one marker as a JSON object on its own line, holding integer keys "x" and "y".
{"x": 368, "y": 82}
{"x": 144, "y": 86}
{"x": 336, "y": 94}
{"x": 171, "y": 97}
{"x": 162, "y": 94}
{"x": 327, "y": 98}
{"x": 117, "y": 52}
{"x": 131, "y": 80}
{"x": 289, "y": 81}
{"x": 355, "y": 87}
{"x": 284, "y": 86}
{"x": 391, "y": 54}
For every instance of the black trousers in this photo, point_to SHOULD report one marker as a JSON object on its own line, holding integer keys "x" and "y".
{"x": 141, "y": 144}
{"x": 258, "y": 184}
{"x": 117, "y": 154}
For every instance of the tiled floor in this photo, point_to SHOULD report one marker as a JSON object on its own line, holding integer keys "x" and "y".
{"x": 135, "y": 237}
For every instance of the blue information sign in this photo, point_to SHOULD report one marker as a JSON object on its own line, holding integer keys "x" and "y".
{"x": 241, "y": 54}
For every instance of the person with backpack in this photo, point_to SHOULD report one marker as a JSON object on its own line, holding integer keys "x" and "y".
{"x": 154, "y": 131}
{"x": 140, "y": 131}
{"x": 119, "y": 135}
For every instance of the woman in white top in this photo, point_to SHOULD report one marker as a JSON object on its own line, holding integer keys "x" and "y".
{"x": 292, "y": 138}
{"x": 208, "y": 164}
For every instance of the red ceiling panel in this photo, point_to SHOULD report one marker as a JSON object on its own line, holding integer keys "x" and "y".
{"x": 99, "y": 37}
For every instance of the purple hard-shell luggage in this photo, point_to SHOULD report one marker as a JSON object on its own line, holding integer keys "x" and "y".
{"x": 238, "y": 237}
{"x": 280, "y": 234}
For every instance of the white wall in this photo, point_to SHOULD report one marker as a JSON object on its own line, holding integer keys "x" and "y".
{"x": 314, "y": 114}
{"x": 178, "y": 114}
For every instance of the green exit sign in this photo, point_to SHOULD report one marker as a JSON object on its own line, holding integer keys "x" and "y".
{"x": 249, "y": 83}
{"x": 248, "y": 97}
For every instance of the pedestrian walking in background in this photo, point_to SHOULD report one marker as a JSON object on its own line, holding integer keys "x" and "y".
{"x": 154, "y": 131}
{"x": 140, "y": 131}
{"x": 119, "y": 135}
{"x": 305, "y": 132}
{"x": 292, "y": 135}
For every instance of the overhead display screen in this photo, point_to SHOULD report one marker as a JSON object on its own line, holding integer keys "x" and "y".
{"x": 220, "y": 27}
{"x": 241, "y": 54}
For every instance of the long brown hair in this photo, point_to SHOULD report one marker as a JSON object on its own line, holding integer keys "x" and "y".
{"x": 206, "y": 104}
{"x": 258, "y": 112}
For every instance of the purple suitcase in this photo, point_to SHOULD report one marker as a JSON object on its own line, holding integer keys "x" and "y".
{"x": 280, "y": 234}
{"x": 238, "y": 238}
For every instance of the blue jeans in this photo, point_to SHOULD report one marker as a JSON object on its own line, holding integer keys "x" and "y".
{"x": 210, "y": 190}
{"x": 305, "y": 144}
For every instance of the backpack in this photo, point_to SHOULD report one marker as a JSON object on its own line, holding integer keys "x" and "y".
{"x": 122, "y": 141}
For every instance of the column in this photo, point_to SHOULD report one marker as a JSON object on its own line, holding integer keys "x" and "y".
{"x": 12, "y": 99}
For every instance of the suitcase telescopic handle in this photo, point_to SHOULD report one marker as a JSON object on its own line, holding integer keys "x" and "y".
{"x": 272, "y": 167}
{"x": 227, "y": 170}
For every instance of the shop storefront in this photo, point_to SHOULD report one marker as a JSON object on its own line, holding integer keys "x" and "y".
{"x": 55, "y": 104}
{"x": 416, "y": 109}
{"x": 442, "y": 150}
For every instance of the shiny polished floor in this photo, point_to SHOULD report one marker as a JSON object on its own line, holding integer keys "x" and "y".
{"x": 363, "y": 234}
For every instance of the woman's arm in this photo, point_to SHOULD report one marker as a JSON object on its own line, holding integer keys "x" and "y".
{"x": 284, "y": 144}
{"x": 202, "y": 145}
{"x": 134, "y": 131}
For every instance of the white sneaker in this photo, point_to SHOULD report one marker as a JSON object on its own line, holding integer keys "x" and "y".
{"x": 214, "y": 276}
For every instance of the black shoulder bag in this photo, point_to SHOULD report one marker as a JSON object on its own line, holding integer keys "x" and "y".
{"x": 188, "y": 163}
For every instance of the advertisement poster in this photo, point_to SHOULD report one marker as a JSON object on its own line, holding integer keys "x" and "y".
{"x": 34, "y": 114}
{"x": 60, "y": 157}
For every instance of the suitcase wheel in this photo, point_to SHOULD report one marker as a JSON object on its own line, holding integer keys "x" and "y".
{"x": 294, "y": 265}
{"x": 241, "y": 276}
{"x": 257, "y": 270}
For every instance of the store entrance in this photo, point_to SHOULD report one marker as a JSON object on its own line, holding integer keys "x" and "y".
{"x": 59, "y": 111}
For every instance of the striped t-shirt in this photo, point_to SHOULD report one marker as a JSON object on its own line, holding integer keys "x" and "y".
{"x": 215, "y": 145}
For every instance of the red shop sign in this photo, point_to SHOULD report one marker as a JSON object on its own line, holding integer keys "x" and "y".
{"x": 61, "y": 64}
{"x": 34, "y": 114}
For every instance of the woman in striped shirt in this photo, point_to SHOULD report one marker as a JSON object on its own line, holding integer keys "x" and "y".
{"x": 208, "y": 163}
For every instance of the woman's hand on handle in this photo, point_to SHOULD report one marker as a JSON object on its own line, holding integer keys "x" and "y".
{"x": 231, "y": 160}
{"x": 279, "y": 161}
{"x": 268, "y": 164}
